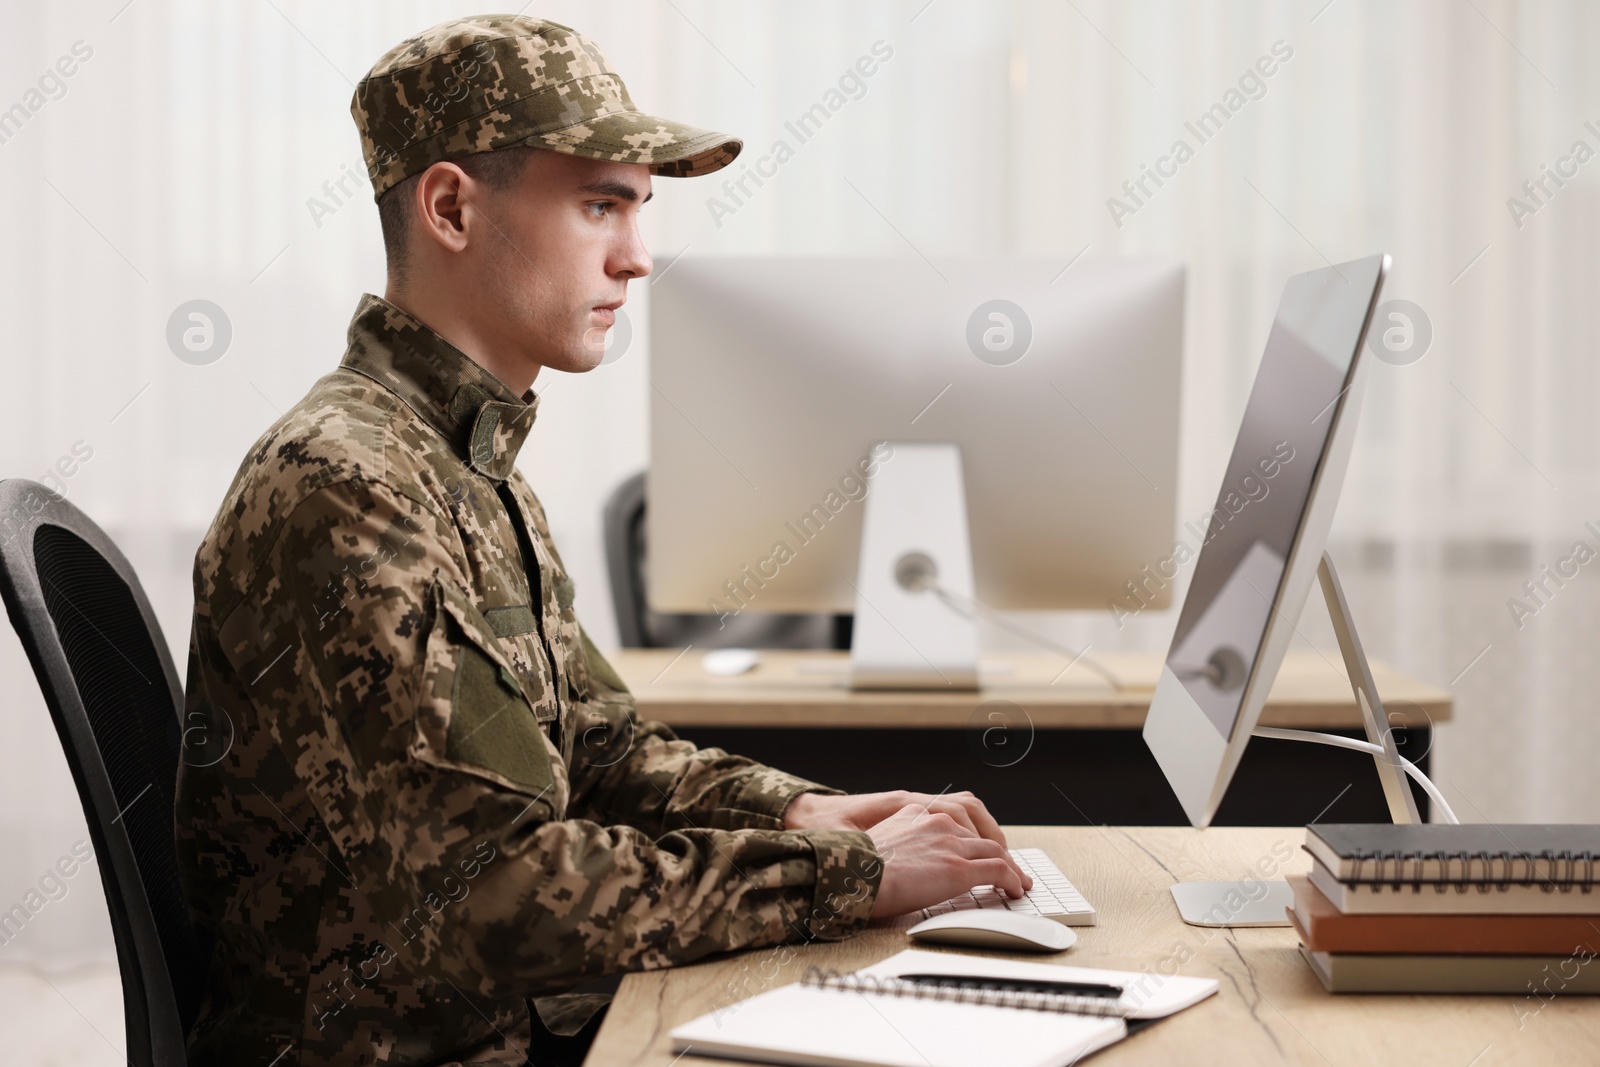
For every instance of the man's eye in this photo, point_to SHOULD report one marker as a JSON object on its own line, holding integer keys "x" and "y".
{"x": 599, "y": 209}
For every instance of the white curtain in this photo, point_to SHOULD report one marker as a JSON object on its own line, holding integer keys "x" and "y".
{"x": 195, "y": 151}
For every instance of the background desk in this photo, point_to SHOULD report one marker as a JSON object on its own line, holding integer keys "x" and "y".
{"x": 1039, "y": 745}
{"x": 1270, "y": 1007}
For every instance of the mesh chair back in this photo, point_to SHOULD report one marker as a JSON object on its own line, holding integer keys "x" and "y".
{"x": 639, "y": 626}
{"x": 114, "y": 694}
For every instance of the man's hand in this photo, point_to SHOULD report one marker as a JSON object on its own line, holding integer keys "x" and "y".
{"x": 933, "y": 847}
{"x": 930, "y": 858}
{"x": 863, "y": 811}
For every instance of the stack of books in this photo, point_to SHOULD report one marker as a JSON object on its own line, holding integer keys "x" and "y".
{"x": 1451, "y": 909}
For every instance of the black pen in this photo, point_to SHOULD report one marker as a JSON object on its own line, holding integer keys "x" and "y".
{"x": 1016, "y": 985}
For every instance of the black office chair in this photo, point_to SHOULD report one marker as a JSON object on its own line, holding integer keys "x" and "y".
{"x": 117, "y": 703}
{"x": 640, "y": 627}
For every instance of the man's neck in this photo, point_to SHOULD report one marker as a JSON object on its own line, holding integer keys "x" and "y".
{"x": 460, "y": 330}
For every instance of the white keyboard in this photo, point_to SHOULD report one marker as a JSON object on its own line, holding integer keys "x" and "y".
{"x": 1052, "y": 896}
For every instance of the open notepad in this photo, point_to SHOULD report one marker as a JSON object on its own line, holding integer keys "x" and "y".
{"x": 912, "y": 1011}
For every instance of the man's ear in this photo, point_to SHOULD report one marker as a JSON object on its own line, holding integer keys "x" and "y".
{"x": 443, "y": 194}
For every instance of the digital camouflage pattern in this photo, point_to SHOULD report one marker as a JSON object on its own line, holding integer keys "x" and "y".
{"x": 493, "y": 81}
{"x": 438, "y": 804}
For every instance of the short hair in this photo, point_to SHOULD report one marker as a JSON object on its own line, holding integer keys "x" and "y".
{"x": 498, "y": 170}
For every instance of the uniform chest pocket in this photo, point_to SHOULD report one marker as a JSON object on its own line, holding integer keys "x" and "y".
{"x": 474, "y": 714}
{"x": 518, "y": 639}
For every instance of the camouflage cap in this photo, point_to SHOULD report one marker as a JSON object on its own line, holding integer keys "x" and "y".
{"x": 493, "y": 81}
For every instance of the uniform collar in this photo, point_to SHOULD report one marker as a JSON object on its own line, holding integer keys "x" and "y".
{"x": 476, "y": 412}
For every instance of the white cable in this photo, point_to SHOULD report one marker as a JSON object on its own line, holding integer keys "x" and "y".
{"x": 1356, "y": 745}
{"x": 977, "y": 608}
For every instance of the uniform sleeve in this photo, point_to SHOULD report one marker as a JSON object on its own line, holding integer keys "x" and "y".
{"x": 641, "y": 774}
{"x": 447, "y": 803}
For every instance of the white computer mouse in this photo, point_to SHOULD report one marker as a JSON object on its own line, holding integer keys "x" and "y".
{"x": 729, "y": 660}
{"x": 1010, "y": 931}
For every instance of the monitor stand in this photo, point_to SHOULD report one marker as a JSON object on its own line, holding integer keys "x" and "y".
{"x": 1264, "y": 903}
{"x": 914, "y": 530}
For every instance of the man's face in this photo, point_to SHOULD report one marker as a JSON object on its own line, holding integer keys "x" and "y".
{"x": 564, "y": 242}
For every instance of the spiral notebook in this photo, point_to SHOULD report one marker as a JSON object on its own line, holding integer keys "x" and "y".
{"x": 940, "y": 1009}
{"x": 1504, "y": 853}
{"x": 1467, "y": 869}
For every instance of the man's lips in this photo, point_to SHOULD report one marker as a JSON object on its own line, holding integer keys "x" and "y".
{"x": 606, "y": 313}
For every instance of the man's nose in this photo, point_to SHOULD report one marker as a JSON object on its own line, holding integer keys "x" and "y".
{"x": 631, "y": 259}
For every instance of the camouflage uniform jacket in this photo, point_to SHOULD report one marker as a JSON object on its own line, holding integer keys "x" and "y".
{"x": 438, "y": 808}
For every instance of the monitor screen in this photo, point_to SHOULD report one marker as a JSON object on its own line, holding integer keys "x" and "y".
{"x": 1249, "y": 533}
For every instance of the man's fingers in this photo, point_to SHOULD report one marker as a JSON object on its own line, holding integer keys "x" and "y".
{"x": 958, "y": 812}
{"x": 983, "y": 849}
{"x": 972, "y": 809}
{"x": 945, "y": 822}
{"x": 980, "y": 848}
{"x": 985, "y": 823}
{"x": 1024, "y": 878}
{"x": 999, "y": 873}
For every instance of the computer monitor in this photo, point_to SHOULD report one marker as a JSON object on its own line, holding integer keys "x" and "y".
{"x": 787, "y": 392}
{"x": 1265, "y": 539}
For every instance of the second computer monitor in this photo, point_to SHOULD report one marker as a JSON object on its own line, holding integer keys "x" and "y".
{"x": 1265, "y": 538}
{"x": 777, "y": 381}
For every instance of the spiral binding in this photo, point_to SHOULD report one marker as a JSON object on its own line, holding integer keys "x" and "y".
{"x": 1565, "y": 870}
{"x": 967, "y": 993}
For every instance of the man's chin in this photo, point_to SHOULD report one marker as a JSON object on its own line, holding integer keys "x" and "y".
{"x": 592, "y": 346}
{"x": 578, "y": 360}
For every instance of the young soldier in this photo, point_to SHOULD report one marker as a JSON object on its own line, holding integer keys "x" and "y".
{"x": 440, "y": 814}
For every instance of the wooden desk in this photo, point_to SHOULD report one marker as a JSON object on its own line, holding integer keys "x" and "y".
{"x": 1270, "y": 1008}
{"x": 810, "y": 690}
{"x": 1038, "y": 744}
